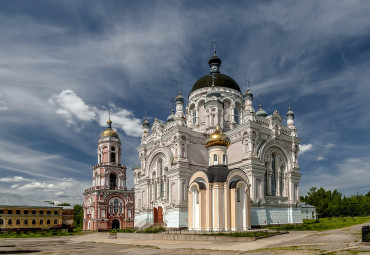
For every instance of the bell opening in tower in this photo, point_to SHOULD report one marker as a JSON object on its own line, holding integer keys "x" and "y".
{"x": 112, "y": 181}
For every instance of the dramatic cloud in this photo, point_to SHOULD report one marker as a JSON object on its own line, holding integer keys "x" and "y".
{"x": 14, "y": 179}
{"x": 71, "y": 107}
{"x": 320, "y": 158}
{"x": 304, "y": 148}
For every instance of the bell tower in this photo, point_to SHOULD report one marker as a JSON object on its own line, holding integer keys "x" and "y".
{"x": 108, "y": 204}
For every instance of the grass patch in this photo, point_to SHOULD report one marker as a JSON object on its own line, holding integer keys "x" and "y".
{"x": 152, "y": 231}
{"x": 124, "y": 230}
{"x": 245, "y": 234}
{"x": 324, "y": 224}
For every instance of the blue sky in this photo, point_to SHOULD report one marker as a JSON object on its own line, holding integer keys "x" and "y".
{"x": 64, "y": 63}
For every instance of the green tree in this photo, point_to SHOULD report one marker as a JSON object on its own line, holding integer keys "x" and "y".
{"x": 78, "y": 215}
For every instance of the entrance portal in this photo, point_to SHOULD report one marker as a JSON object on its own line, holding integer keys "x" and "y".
{"x": 115, "y": 224}
{"x": 158, "y": 215}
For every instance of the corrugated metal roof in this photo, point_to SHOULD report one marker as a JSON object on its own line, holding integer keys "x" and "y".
{"x": 17, "y": 200}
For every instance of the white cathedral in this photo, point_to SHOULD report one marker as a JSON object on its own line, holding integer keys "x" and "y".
{"x": 261, "y": 147}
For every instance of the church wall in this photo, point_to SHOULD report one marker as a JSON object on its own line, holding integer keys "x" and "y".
{"x": 197, "y": 154}
{"x": 267, "y": 216}
{"x": 177, "y": 218}
{"x": 234, "y": 152}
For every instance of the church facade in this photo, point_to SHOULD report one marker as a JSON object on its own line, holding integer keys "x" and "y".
{"x": 261, "y": 147}
{"x": 108, "y": 204}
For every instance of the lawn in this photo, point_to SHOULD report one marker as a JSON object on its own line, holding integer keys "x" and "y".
{"x": 324, "y": 224}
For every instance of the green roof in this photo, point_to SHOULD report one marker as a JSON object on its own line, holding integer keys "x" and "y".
{"x": 19, "y": 201}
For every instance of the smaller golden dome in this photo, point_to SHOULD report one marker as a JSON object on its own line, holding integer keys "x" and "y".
{"x": 218, "y": 138}
{"x": 109, "y": 131}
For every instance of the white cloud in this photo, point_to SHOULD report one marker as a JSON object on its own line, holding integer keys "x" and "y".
{"x": 304, "y": 148}
{"x": 37, "y": 185}
{"x": 71, "y": 106}
{"x": 319, "y": 158}
{"x": 14, "y": 179}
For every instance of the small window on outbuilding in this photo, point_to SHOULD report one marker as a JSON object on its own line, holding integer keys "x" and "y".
{"x": 10, "y": 222}
{"x": 18, "y": 222}
{"x": 10, "y": 211}
{"x": 33, "y": 222}
{"x": 18, "y": 212}
{"x": 41, "y": 222}
{"x": 48, "y": 212}
{"x": 33, "y": 211}
{"x": 55, "y": 212}
{"x": 25, "y": 211}
{"x": 41, "y": 212}
{"x": 25, "y": 222}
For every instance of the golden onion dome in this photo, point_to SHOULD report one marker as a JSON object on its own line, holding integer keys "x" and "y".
{"x": 218, "y": 138}
{"x": 109, "y": 131}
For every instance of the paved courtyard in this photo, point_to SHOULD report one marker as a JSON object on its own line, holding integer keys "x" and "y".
{"x": 341, "y": 241}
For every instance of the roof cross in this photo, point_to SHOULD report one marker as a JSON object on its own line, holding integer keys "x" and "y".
{"x": 214, "y": 47}
{"x": 213, "y": 79}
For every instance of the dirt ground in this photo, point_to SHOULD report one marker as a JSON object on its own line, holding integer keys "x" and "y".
{"x": 340, "y": 241}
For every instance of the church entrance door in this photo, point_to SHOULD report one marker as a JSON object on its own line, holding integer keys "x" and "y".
{"x": 155, "y": 215}
{"x": 158, "y": 215}
{"x": 115, "y": 224}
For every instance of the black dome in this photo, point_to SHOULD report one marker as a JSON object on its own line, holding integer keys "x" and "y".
{"x": 221, "y": 80}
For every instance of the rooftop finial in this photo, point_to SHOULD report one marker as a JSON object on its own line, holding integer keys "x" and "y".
{"x": 109, "y": 122}
{"x": 214, "y": 47}
{"x": 248, "y": 83}
{"x": 290, "y": 102}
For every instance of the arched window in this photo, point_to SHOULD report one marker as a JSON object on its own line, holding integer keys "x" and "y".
{"x": 41, "y": 222}
{"x": 194, "y": 117}
{"x": 197, "y": 197}
{"x": 236, "y": 115}
{"x": 215, "y": 159}
{"x": 33, "y": 222}
{"x": 273, "y": 176}
{"x": 18, "y": 222}
{"x": 281, "y": 180}
{"x": 48, "y": 222}
{"x": 224, "y": 159}
{"x": 55, "y": 221}
{"x": 112, "y": 181}
{"x": 238, "y": 195}
{"x": 116, "y": 206}
{"x": 112, "y": 157}
{"x": 25, "y": 222}
{"x": 10, "y": 222}
{"x": 1, "y": 221}
{"x": 265, "y": 180}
